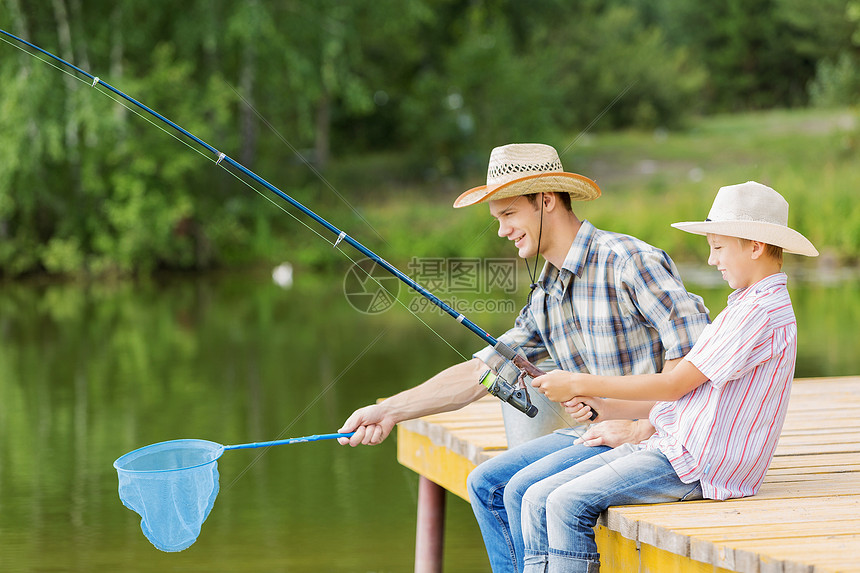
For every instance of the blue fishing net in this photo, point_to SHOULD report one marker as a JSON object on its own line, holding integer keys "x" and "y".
{"x": 172, "y": 486}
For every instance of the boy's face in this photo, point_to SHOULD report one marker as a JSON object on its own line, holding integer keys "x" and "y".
{"x": 519, "y": 221}
{"x": 733, "y": 259}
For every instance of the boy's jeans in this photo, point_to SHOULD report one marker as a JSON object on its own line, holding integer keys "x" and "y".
{"x": 496, "y": 488}
{"x": 560, "y": 511}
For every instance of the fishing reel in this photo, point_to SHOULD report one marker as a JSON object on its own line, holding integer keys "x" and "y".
{"x": 514, "y": 394}
{"x": 515, "y": 367}
{"x": 499, "y": 385}
{"x": 507, "y": 392}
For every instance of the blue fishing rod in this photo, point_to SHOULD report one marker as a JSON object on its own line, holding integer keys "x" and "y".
{"x": 508, "y": 384}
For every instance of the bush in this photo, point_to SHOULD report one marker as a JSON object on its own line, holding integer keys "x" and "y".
{"x": 836, "y": 83}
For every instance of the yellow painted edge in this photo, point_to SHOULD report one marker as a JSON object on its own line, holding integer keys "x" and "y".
{"x": 617, "y": 553}
{"x": 621, "y": 555}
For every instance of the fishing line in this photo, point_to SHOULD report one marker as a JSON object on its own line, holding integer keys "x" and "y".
{"x": 308, "y": 406}
{"x": 307, "y": 163}
{"x": 209, "y": 158}
{"x": 333, "y": 243}
{"x": 336, "y": 246}
{"x": 599, "y": 116}
{"x": 576, "y": 139}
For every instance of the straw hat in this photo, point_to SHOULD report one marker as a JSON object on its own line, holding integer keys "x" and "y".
{"x": 526, "y": 168}
{"x": 752, "y": 211}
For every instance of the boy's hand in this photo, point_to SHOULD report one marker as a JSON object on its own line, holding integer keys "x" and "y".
{"x": 581, "y": 408}
{"x": 613, "y": 433}
{"x": 558, "y": 385}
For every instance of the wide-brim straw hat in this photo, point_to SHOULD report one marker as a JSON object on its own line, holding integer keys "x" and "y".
{"x": 755, "y": 212}
{"x": 524, "y": 169}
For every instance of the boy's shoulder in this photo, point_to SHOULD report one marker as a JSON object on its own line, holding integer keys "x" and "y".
{"x": 771, "y": 291}
{"x": 765, "y": 301}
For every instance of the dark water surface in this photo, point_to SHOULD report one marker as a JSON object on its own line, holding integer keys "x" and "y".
{"x": 88, "y": 373}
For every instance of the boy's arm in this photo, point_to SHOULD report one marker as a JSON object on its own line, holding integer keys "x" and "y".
{"x": 581, "y": 408}
{"x": 609, "y": 409}
{"x": 560, "y": 386}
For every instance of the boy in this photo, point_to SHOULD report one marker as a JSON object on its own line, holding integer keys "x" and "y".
{"x": 719, "y": 411}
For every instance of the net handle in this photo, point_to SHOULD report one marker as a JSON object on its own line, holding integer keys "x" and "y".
{"x": 314, "y": 438}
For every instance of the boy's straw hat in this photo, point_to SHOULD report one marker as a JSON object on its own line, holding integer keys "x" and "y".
{"x": 526, "y": 168}
{"x": 752, "y": 211}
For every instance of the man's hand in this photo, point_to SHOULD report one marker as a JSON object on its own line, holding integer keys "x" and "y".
{"x": 371, "y": 425}
{"x": 613, "y": 433}
{"x": 448, "y": 390}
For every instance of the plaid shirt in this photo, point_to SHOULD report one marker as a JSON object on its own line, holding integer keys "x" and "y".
{"x": 617, "y": 306}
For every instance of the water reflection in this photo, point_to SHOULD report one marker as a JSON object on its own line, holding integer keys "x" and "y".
{"x": 89, "y": 373}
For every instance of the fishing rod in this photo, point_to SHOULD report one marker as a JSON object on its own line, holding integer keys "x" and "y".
{"x": 508, "y": 384}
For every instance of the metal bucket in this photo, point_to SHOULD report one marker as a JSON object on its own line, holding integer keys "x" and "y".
{"x": 551, "y": 416}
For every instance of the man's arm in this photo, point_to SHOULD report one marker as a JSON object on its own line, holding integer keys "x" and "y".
{"x": 448, "y": 390}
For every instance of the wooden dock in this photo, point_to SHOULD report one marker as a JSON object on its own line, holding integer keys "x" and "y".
{"x": 805, "y": 518}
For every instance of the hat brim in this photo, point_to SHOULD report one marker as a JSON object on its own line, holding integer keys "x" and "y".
{"x": 779, "y": 235}
{"x": 579, "y": 188}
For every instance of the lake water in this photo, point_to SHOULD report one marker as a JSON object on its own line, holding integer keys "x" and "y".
{"x": 88, "y": 373}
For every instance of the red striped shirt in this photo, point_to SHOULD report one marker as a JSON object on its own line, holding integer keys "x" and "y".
{"x": 724, "y": 432}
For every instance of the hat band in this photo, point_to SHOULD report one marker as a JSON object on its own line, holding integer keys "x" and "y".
{"x": 502, "y": 170}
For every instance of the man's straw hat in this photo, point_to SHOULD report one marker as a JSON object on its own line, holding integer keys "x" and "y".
{"x": 526, "y": 168}
{"x": 752, "y": 211}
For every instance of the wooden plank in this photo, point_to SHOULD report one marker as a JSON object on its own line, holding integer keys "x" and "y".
{"x": 804, "y": 518}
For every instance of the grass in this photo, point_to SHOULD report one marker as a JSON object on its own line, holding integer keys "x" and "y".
{"x": 653, "y": 179}
{"x": 649, "y": 180}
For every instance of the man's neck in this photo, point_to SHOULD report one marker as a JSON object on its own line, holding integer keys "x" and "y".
{"x": 565, "y": 230}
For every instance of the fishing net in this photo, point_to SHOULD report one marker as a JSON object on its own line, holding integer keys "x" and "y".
{"x": 172, "y": 486}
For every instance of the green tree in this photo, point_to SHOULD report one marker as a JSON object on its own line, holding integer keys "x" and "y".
{"x": 757, "y": 53}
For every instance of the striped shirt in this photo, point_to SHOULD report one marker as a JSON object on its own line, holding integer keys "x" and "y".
{"x": 724, "y": 432}
{"x": 617, "y": 306}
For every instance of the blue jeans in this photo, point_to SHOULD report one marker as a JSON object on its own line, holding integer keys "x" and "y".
{"x": 496, "y": 488}
{"x": 559, "y": 512}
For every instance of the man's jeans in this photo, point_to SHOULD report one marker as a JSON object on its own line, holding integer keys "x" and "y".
{"x": 496, "y": 488}
{"x": 559, "y": 512}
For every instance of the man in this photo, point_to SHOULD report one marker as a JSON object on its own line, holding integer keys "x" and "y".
{"x": 604, "y": 303}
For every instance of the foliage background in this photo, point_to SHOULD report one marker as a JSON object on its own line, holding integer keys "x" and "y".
{"x": 376, "y": 114}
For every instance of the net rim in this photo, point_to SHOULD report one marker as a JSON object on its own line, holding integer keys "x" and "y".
{"x": 151, "y": 448}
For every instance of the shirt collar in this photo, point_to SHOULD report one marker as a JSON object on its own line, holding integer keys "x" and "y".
{"x": 554, "y": 281}
{"x": 768, "y": 283}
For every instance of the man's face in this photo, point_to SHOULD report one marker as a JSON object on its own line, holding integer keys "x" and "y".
{"x": 519, "y": 221}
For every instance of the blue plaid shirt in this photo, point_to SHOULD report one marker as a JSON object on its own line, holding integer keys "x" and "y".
{"x": 617, "y": 306}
